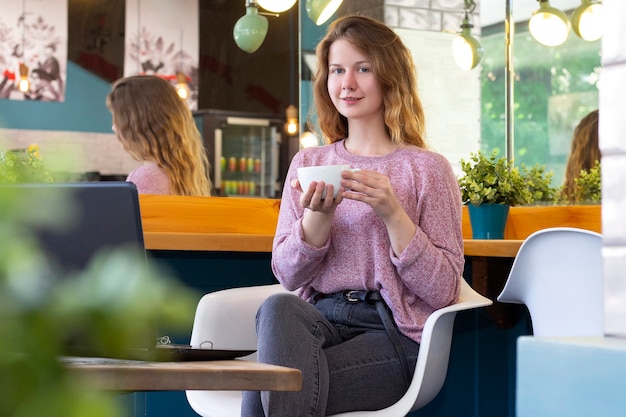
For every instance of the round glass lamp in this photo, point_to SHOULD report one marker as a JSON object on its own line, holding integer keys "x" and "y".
{"x": 250, "y": 30}
{"x": 588, "y": 20}
{"x": 276, "y": 6}
{"x": 466, "y": 49}
{"x": 549, "y": 26}
{"x": 291, "y": 127}
{"x": 24, "y": 84}
{"x": 308, "y": 140}
{"x": 320, "y": 11}
{"x": 182, "y": 89}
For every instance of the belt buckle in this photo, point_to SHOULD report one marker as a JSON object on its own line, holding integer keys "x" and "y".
{"x": 349, "y": 296}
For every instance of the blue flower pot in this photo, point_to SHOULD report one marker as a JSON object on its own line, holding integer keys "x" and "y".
{"x": 488, "y": 220}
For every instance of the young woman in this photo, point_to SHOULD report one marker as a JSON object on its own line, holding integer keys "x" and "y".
{"x": 155, "y": 126}
{"x": 393, "y": 234}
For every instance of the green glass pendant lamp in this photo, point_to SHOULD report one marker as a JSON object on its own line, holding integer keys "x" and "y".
{"x": 466, "y": 49}
{"x": 588, "y": 20}
{"x": 319, "y": 11}
{"x": 250, "y": 30}
{"x": 276, "y": 6}
{"x": 548, "y": 25}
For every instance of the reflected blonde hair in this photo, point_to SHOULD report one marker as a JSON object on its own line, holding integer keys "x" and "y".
{"x": 393, "y": 67}
{"x": 155, "y": 125}
{"x": 585, "y": 151}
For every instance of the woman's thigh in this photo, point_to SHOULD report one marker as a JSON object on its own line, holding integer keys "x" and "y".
{"x": 365, "y": 372}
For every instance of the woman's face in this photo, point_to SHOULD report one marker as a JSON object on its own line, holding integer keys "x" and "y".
{"x": 353, "y": 88}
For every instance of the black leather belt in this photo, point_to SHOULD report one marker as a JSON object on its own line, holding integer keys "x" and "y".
{"x": 374, "y": 297}
{"x": 349, "y": 296}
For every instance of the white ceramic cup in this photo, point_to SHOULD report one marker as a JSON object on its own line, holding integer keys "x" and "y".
{"x": 330, "y": 174}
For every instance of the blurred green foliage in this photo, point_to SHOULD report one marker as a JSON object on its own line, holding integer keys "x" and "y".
{"x": 108, "y": 304}
{"x": 24, "y": 165}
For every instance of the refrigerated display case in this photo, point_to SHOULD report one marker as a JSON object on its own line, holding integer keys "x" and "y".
{"x": 245, "y": 151}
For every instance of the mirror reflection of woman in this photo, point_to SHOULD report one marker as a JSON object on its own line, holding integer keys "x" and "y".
{"x": 584, "y": 154}
{"x": 157, "y": 128}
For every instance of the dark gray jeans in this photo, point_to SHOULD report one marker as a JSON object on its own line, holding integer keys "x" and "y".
{"x": 348, "y": 362}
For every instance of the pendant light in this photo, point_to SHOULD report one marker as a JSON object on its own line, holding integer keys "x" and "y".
{"x": 250, "y": 30}
{"x": 182, "y": 89}
{"x": 291, "y": 127}
{"x": 276, "y": 6}
{"x": 320, "y": 11}
{"x": 466, "y": 49}
{"x": 588, "y": 20}
{"x": 549, "y": 26}
{"x": 24, "y": 84}
{"x": 308, "y": 140}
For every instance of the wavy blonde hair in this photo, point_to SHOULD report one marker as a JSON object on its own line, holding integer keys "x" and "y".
{"x": 392, "y": 66}
{"x": 155, "y": 125}
{"x": 585, "y": 151}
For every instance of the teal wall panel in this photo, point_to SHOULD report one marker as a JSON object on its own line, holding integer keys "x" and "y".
{"x": 84, "y": 108}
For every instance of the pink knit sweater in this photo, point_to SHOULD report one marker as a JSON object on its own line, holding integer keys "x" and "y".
{"x": 150, "y": 179}
{"x": 358, "y": 254}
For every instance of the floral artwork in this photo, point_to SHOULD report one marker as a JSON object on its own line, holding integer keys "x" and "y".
{"x": 162, "y": 40}
{"x": 33, "y": 50}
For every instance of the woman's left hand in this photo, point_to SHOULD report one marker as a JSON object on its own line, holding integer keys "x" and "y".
{"x": 375, "y": 190}
{"x": 372, "y": 188}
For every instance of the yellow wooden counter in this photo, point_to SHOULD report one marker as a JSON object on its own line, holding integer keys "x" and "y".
{"x": 248, "y": 224}
{"x": 208, "y": 223}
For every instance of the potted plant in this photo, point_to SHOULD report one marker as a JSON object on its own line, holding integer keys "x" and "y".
{"x": 587, "y": 190}
{"x": 491, "y": 185}
{"x": 539, "y": 183}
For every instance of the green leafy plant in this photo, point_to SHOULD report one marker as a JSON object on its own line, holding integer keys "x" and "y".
{"x": 492, "y": 180}
{"x": 539, "y": 183}
{"x": 588, "y": 188}
{"x": 24, "y": 165}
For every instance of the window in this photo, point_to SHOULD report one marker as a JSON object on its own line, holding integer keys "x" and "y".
{"x": 554, "y": 87}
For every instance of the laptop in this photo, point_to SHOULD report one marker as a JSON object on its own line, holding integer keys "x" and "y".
{"x": 104, "y": 215}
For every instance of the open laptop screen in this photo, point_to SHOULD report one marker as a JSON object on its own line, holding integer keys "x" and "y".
{"x": 104, "y": 215}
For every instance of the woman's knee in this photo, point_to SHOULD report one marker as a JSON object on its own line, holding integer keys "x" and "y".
{"x": 279, "y": 304}
{"x": 278, "y": 308}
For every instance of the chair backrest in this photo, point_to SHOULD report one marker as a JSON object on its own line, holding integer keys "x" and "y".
{"x": 558, "y": 275}
{"x": 227, "y": 318}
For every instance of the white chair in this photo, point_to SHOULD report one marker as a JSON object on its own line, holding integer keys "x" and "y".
{"x": 227, "y": 318}
{"x": 558, "y": 275}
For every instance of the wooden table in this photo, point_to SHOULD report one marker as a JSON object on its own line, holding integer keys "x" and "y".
{"x": 497, "y": 248}
{"x": 124, "y": 375}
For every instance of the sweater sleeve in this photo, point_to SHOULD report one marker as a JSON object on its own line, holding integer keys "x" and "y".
{"x": 432, "y": 264}
{"x": 293, "y": 260}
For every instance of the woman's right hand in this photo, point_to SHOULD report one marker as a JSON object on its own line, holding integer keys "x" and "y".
{"x": 311, "y": 198}
{"x": 319, "y": 216}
